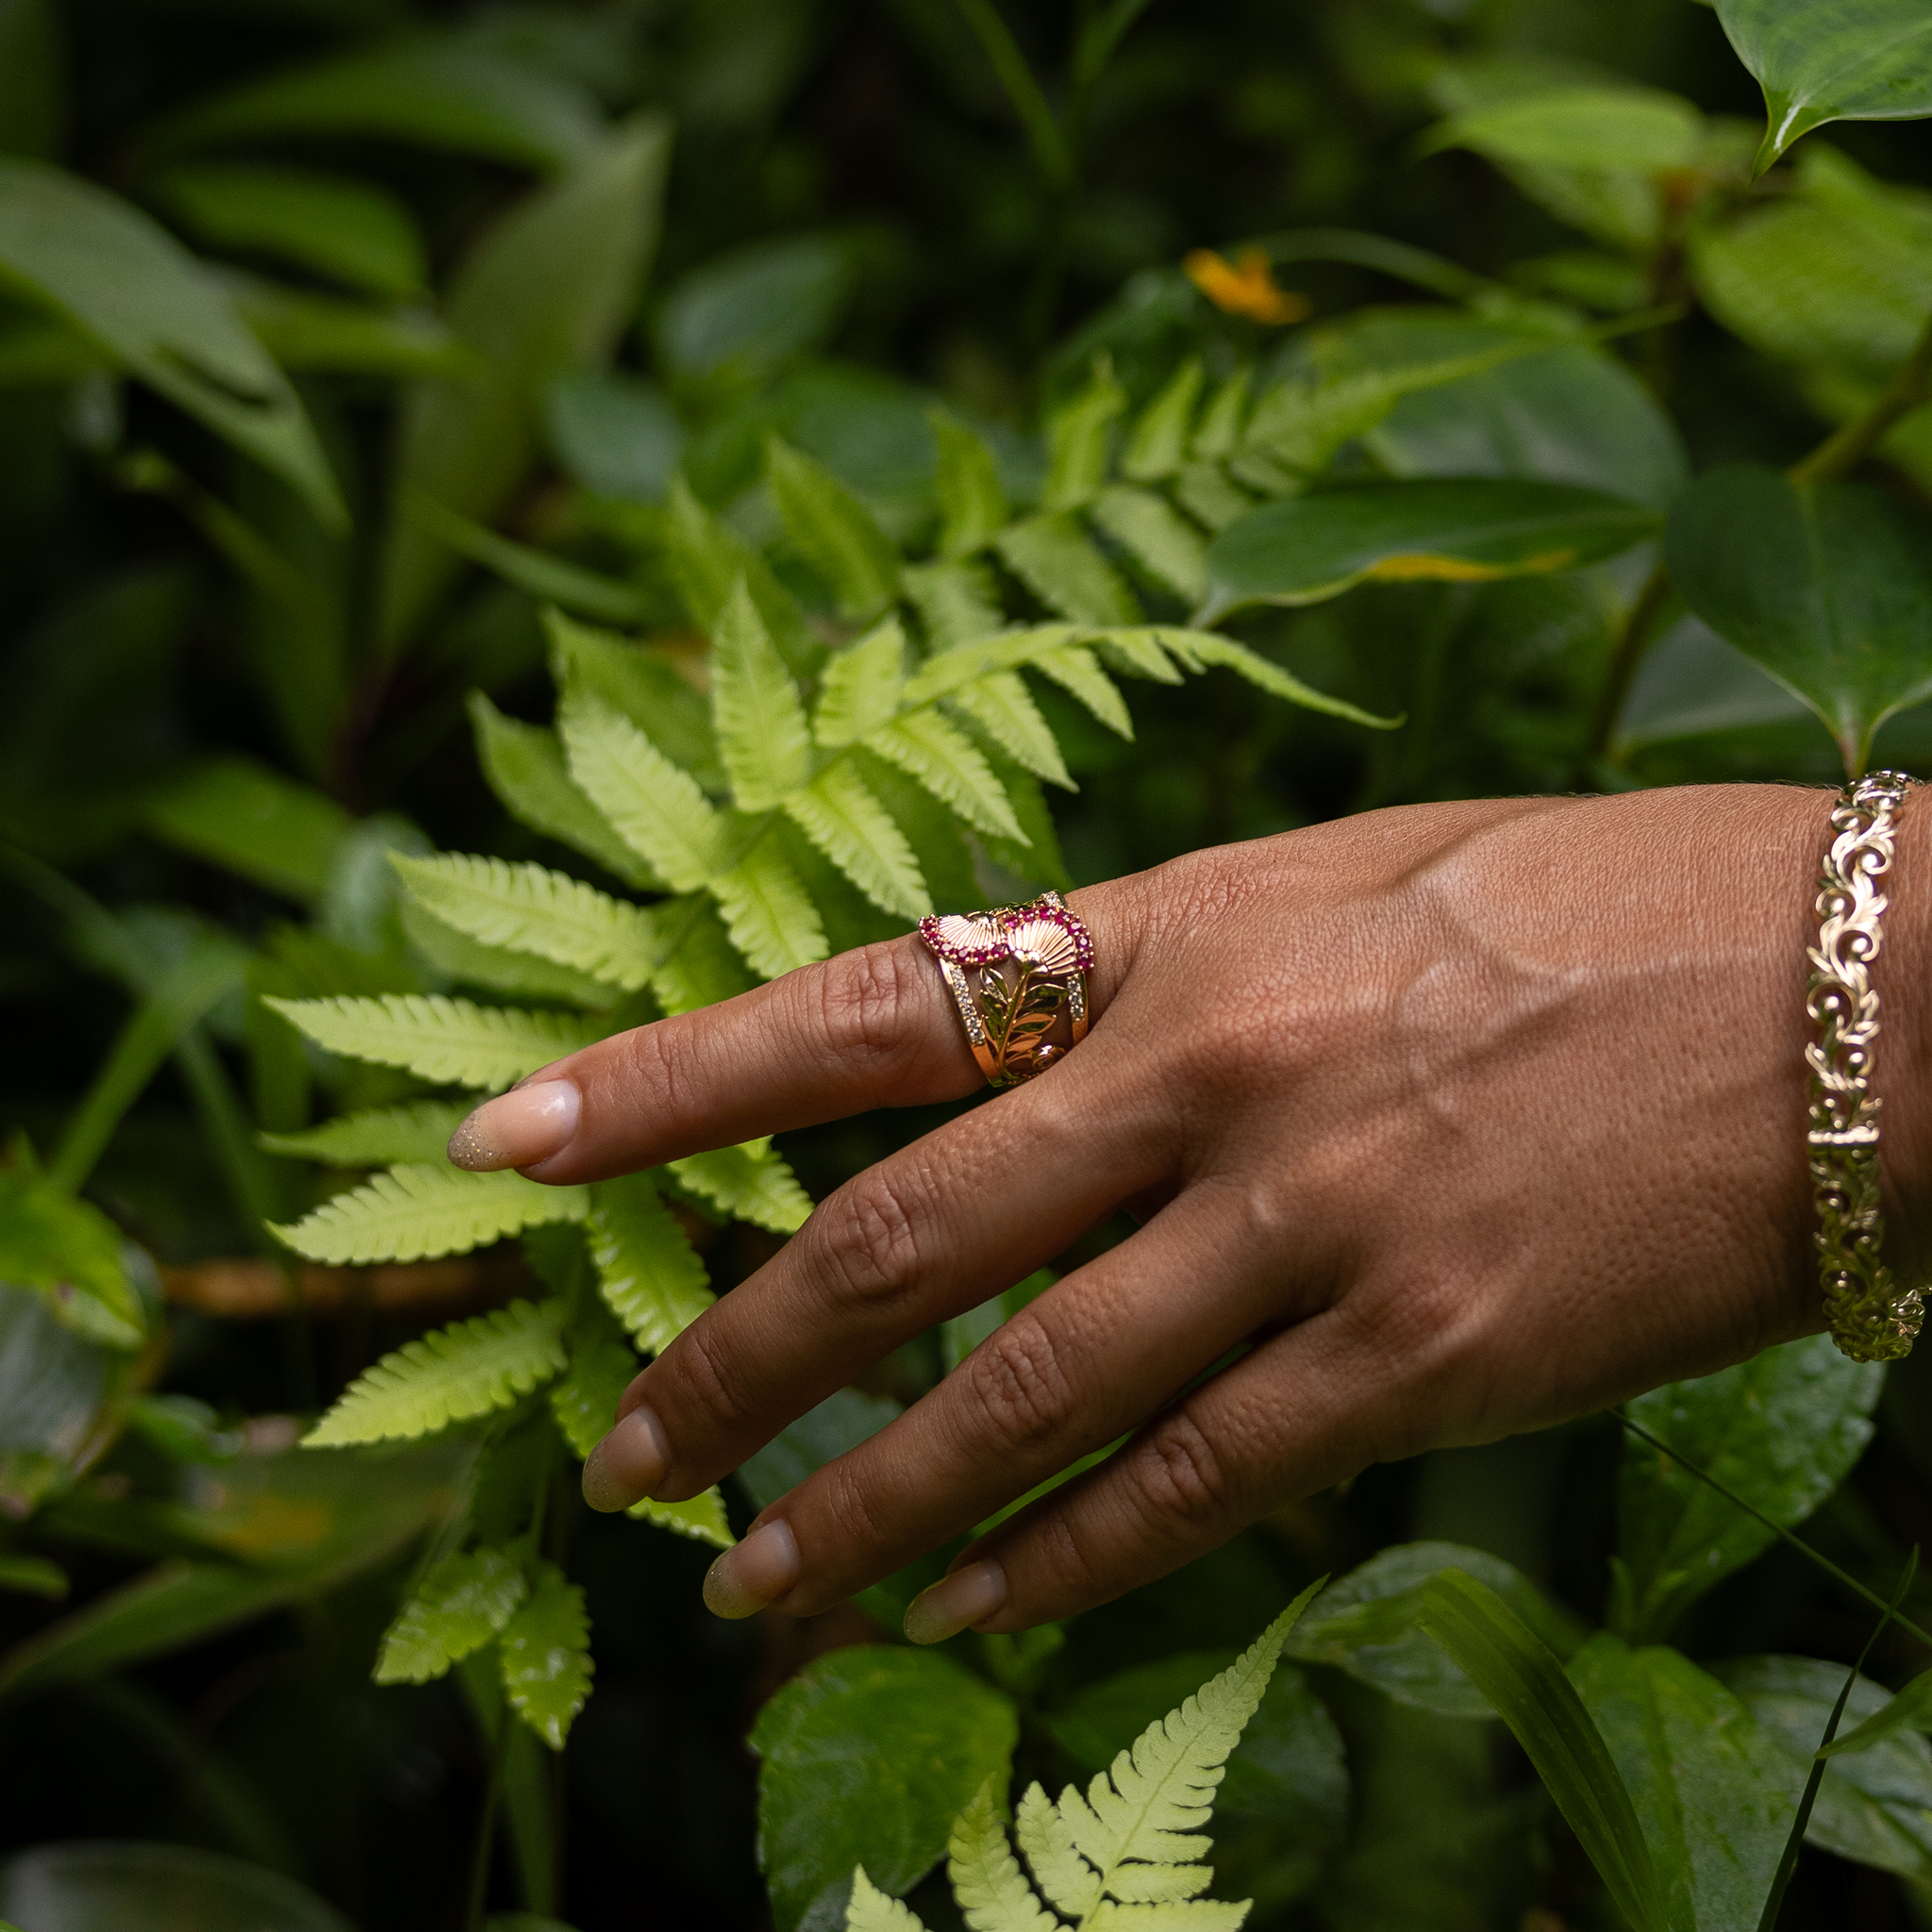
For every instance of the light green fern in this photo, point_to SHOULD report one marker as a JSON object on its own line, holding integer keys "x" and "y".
{"x": 750, "y": 1183}
{"x": 418, "y": 1132}
{"x": 451, "y": 1042}
{"x": 546, "y": 1651}
{"x": 425, "y": 1209}
{"x": 702, "y": 1518}
{"x": 448, "y": 1376}
{"x": 463, "y": 1602}
{"x": 653, "y": 1282}
{"x": 1129, "y": 1851}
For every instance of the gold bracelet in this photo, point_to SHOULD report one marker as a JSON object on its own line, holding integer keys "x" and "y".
{"x": 1872, "y": 1320}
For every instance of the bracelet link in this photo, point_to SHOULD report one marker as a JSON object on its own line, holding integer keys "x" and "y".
{"x": 1872, "y": 1318}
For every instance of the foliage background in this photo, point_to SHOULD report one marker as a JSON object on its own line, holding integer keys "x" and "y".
{"x": 932, "y": 255}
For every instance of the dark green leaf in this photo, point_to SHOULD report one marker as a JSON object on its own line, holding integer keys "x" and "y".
{"x": 1640, "y": 130}
{"x": 113, "y": 1888}
{"x": 546, "y": 1656}
{"x": 843, "y": 1421}
{"x": 832, "y": 532}
{"x": 641, "y": 684}
{"x": 55, "y": 1392}
{"x": 253, "y": 820}
{"x": 614, "y": 432}
{"x": 1307, "y": 548}
{"x": 69, "y": 1254}
{"x": 1828, "y": 587}
{"x": 868, "y": 1756}
{"x": 1782, "y": 1430}
{"x": 748, "y": 311}
{"x": 303, "y": 330}
{"x": 707, "y": 560}
{"x": 1819, "y": 60}
{"x": 547, "y": 578}
{"x": 1520, "y": 1676}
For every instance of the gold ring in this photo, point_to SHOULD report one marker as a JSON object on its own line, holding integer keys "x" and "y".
{"x": 1013, "y": 971}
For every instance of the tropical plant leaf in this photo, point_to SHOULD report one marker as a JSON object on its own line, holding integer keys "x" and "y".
{"x": 1204, "y": 650}
{"x": 701, "y": 1518}
{"x": 457, "y": 1608}
{"x": 253, "y": 820}
{"x": 530, "y": 909}
{"x": 1078, "y": 670}
{"x": 841, "y": 816}
{"x": 1157, "y": 535}
{"x": 761, "y": 721}
{"x": 552, "y": 580}
{"x": 873, "y": 1911}
{"x": 768, "y": 912}
{"x": 498, "y": 968}
{"x": 1157, "y": 445}
{"x": 1911, "y": 1709}
{"x": 1640, "y": 130}
{"x": 1002, "y": 707}
{"x": 68, "y": 1253}
{"x": 833, "y": 531}
{"x": 1047, "y": 1840}
{"x": 638, "y": 682}
{"x": 602, "y": 1366}
{"x": 707, "y": 560}
{"x": 653, "y": 1281}
{"x": 448, "y": 1375}
{"x": 1055, "y": 558}
{"x": 419, "y": 1210}
{"x": 655, "y": 807}
{"x": 439, "y": 1038}
{"x": 1078, "y": 439}
{"x": 700, "y": 965}
{"x": 749, "y": 1183}
{"x": 926, "y": 747}
{"x": 420, "y": 1131}
{"x": 973, "y": 506}
{"x": 545, "y": 1649}
{"x": 859, "y": 690}
{"x": 957, "y": 602}
{"x": 991, "y": 1890}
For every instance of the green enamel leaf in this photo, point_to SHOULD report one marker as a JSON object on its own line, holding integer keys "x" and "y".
{"x": 1307, "y": 548}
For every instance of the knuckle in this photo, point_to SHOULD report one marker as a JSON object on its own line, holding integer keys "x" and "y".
{"x": 1020, "y": 1382}
{"x": 659, "y": 1067}
{"x": 703, "y": 1381}
{"x": 1181, "y": 1477}
{"x": 858, "y": 1002}
{"x": 866, "y": 1239}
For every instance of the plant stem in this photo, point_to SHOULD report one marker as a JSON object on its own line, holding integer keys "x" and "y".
{"x": 1632, "y": 642}
{"x": 486, "y": 1828}
{"x": 1846, "y": 447}
{"x": 1798, "y": 1544}
{"x": 1042, "y": 131}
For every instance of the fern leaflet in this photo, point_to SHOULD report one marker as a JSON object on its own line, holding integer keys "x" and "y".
{"x": 750, "y": 1183}
{"x": 1157, "y": 443}
{"x": 1076, "y": 669}
{"x": 458, "y": 1608}
{"x": 839, "y": 813}
{"x": 769, "y": 913}
{"x": 602, "y": 1363}
{"x": 1002, "y": 707}
{"x": 545, "y": 1649}
{"x": 861, "y": 689}
{"x": 654, "y": 806}
{"x": 1058, "y": 561}
{"x": 438, "y": 1039}
{"x": 1077, "y": 437}
{"x": 873, "y": 1911}
{"x": 469, "y": 962}
{"x": 418, "y": 1132}
{"x": 956, "y": 602}
{"x": 701, "y": 1518}
{"x": 973, "y": 506}
{"x": 1157, "y": 535}
{"x": 420, "y": 1210}
{"x": 1068, "y": 1880}
{"x": 991, "y": 1890}
{"x": 833, "y": 531}
{"x": 653, "y": 1282}
{"x": 761, "y": 721}
{"x": 448, "y": 1376}
{"x": 943, "y": 758}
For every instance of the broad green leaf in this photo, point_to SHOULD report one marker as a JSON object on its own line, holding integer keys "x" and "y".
{"x": 420, "y": 1131}
{"x": 28, "y": 1576}
{"x": 545, "y": 1648}
{"x": 1368, "y": 1625}
{"x": 418, "y": 1210}
{"x": 768, "y": 913}
{"x": 1078, "y": 436}
{"x": 700, "y": 965}
{"x": 951, "y": 767}
{"x": 1157, "y": 445}
{"x": 1874, "y": 1803}
{"x": 958, "y": 603}
{"x": 1157, "y": 535}
{"x": 761, "y": 721}
{"x": 843, "y": 1421}
{"x": 1819, "y": 60}
{"x": 707, "y": 560}
{"x": 1782, "y": 1430}
{"x": 532, "y": 909}
{"x": 448, "y": 1376}
{"x": 524, "y": 975}
{"x": 345, "y": 228}
{"x": 868, "y": 1754}
{"x": 253, "y": 820}
{"x": 550, "y": 579}
{"x": 1078, "y": 670}
{"x": 602, "y": 1366}
{"x": 1713, "y": 1793}
{"x": 551, "y": 284}
{"x": 859, "y": 690}
{"x": 643, "y": 684}
{"x": 701, "y": 1518}
{"x": 841, "y": 816}
{"x": 304, "y": 330}
{"x": 463, "y": 1602}
{"x": 741, "y": 314}
{"x": 1910, "y": 1709}
{"x": 1827, "y": 587}
{"x": 102, "y": 1885}
{"x": 750, "y": 1183}
{"x": 832, "y": 532}
{"x": 1639, "y": 130}
{"x": 438, "y": 95}
{"x": 69, "y": 1255}
{"x": 56, "y": 1391}
{"x": 646, "y": 1270}
{"x": 1000, "y": 705}
{"x": 614, "y": 432}
{"x": 655, "y": 807}
{"x": 1305, "y": 549}
{"x": 525, "y": 764}
{"x": 1523, "y": 1679}
{"x": 128, "y": 286}
{"x": 973, "y": 506}
{"x": 1062, "y": 566}
{"x": 438, "y": 1039}
{"x": 873, "y": 1911}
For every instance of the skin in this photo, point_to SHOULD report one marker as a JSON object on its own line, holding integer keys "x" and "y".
{"x": 1469, "y": 1118}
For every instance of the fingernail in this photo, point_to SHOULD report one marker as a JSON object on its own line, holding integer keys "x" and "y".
{"x": 627, "y": 1464}
{"x": 955, "y": 1602}
{"x": 753, "y": 1573}
{"x": 518, "y": 1128}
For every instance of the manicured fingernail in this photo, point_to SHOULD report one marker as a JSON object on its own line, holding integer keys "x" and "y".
{"x": 755, "y": 1572}
{"x": 627, "y": 1464}
{"x": 518, "y": 1128}
{"x": 955, "y": 1602}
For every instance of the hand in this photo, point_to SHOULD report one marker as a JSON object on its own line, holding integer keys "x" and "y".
{"x": 1465, "y": 1117}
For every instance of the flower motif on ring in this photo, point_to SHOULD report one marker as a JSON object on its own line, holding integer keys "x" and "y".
{"x": 967, "y": 939}
{"x": 1044, "y": 944}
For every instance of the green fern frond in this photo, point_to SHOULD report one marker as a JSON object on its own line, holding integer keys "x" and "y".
{"x": 420, "y": 1210}
{"x": 1210, "y": 496}
{"x": 1078, "y": 670}
{"x": 1156, "y": 536}
{"x": 448, "y": 1376}
{"x": 1157, "y": 445}
{"x": 943, "y": 758}
{"x": 583, "y": 1400}
{"x": 700, "y": 966}
{"x": 768, "y": 912}
{"x": 707, "y": 559}
{"x": 1207, "y": 649}
{"x": 1078, "y": 437}
{"x": 958, "y": 603}
{"x": 374, "y": 1138}
{"x": 701, "y": 1518}
{"x": 761, "y": 721}
{"x": 991, "y": 1890}
{"x": 750, "y": 1183}
{"x": 859, "y": 690}
{"x": 457, "y": 1608}
{"x": 655, "y": 807}
{"x": 546, "y": 1651}
{"x": 1055, "y": 558}
{"x": 1219, "y": 431}
{"x": 840, "y": 814}
{"x": 450, "y": 1040}
{"x": 973, "y": 506}
{"x": 469, "y": 962}
{"x": 832, "y": 532}
{"x": 1003, "y": 708}
{"x": 653, "y": 1282}
{"x": 873, "y": 1911}
{"x": 530, "y": 909}
{"x": 1068, "y": 1880}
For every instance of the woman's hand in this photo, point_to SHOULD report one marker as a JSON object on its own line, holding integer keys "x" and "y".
{"x": 1469, "y": 1118}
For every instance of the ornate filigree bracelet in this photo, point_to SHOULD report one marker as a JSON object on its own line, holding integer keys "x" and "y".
{"x": 1872, "y": 1318}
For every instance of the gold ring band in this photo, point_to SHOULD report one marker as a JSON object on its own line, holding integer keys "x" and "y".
{"x": 1012, "y": 972}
